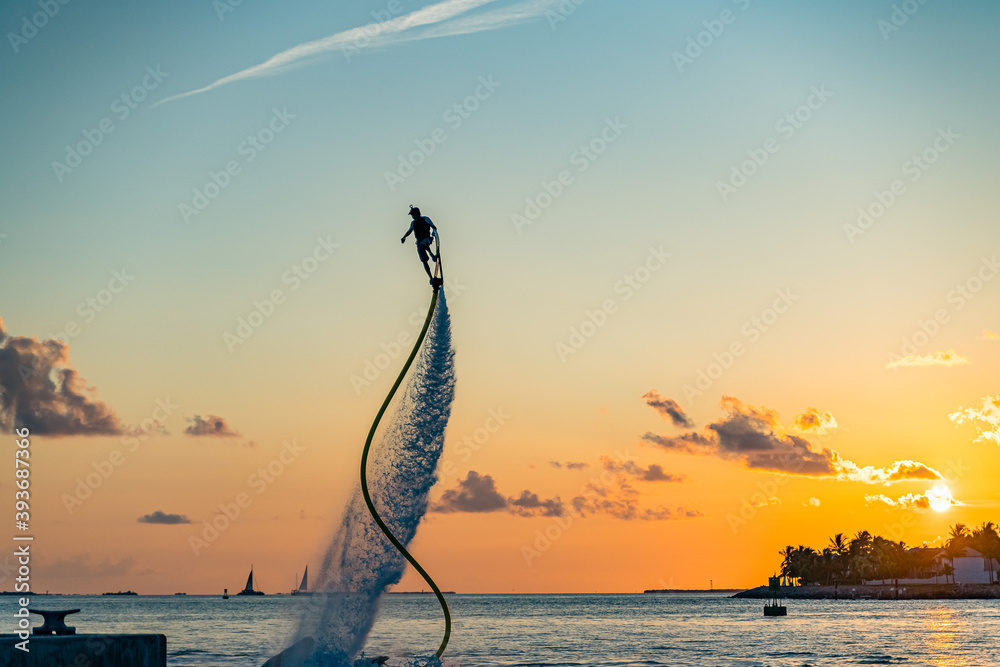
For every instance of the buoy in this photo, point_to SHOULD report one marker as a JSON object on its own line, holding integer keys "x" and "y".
{"x": 774, "y": 607}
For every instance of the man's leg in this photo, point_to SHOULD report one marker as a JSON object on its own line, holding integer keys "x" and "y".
{"x": 428, "y": 270}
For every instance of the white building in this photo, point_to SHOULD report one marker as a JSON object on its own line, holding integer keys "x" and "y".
{"x": 971, "y": 568}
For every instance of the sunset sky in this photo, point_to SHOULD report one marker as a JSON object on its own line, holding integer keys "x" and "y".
{"x": 723, "y": 277}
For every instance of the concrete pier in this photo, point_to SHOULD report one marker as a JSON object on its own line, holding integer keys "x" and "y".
{"x": 89, "y": 650}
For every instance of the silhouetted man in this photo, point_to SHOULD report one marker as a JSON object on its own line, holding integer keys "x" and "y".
{"x": 421, "y": 227}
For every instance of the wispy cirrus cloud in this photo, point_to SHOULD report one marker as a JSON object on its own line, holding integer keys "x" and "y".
{"x": 947, "y": 357}
{"x": 989, "y": 335}
{"x": 440, "y": 19}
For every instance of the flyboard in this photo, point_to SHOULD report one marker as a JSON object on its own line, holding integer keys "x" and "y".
{"x": 438, "y": 280}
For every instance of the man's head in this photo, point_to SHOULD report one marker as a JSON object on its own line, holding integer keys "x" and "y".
{"x": 414, "y": 211}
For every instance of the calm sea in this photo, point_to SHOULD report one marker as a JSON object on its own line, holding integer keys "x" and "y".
{"x": 696, "y": 630}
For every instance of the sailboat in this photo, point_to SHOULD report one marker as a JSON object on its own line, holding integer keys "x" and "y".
{"x": 248, "y": 589}
{"x": 303, "y": 588}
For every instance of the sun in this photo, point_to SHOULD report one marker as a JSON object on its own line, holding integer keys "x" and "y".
{"x": 940, "y": 498}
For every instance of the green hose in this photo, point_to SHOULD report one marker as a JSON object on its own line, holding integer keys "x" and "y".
{"x": 364, "y": 479}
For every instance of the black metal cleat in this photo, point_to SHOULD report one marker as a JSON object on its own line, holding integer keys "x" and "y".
{"x": 54, "y": 622}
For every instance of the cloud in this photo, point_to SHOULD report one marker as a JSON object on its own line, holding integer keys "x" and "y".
{"x": 668, "y": 409}
{"x": 435, "y": 19}
{"x": 39, "y": 390}
{"x": 812, "y": 502}
{"x": 529, "y": 504}
{"x": 687, "y": 443}
{"x": 989, "y": 335}
{"x": 937, "y": 499}
{"x": 620, "y": 500}
{"x": 654, "y": 473}
{"x": 754, "y": 437}
{"x": 165, "y": 519}
{"x": 478, "y": 493}
{"x": 758, "y": 500}
{"x": 569, "y": 465}
{"x": 946, "y": 358}
{"x": 211, "y": 426}
{"x": 899, "y": 471}
{"x": 988, "y": 414}
{"x": 814, "y": 421}
{"x": 475, "y": 493}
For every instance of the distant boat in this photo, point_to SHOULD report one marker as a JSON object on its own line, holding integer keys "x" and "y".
{"x": 225, "y": 593}
{"x": 121, "y": 593}
{"x": 180, "y": 593}
{"x": 248, "y": 589}
{"x": 303, "y": 588}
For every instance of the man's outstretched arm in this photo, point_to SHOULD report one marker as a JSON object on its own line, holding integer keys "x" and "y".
{"x": 408, "y": 232}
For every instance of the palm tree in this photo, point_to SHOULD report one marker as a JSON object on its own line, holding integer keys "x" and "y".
{"x": 804, "y": 564}
{"x": 952, "y": 550}
{"x": 861, "y": 567}
{"x": 982, "y": 540}
{"x": 861, "y": 543}
{"x": 839, "y": 545}
{"x": 958, "y": 534}
{"x": 787, "y": 556}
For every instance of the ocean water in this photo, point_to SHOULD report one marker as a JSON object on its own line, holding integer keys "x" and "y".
{"x": 696, "y": 630}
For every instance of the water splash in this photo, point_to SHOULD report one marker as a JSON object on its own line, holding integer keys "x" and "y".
{"x": 360, "y": 562}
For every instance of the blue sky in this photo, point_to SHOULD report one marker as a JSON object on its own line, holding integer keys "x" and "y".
{"x": 344, "y": 124}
